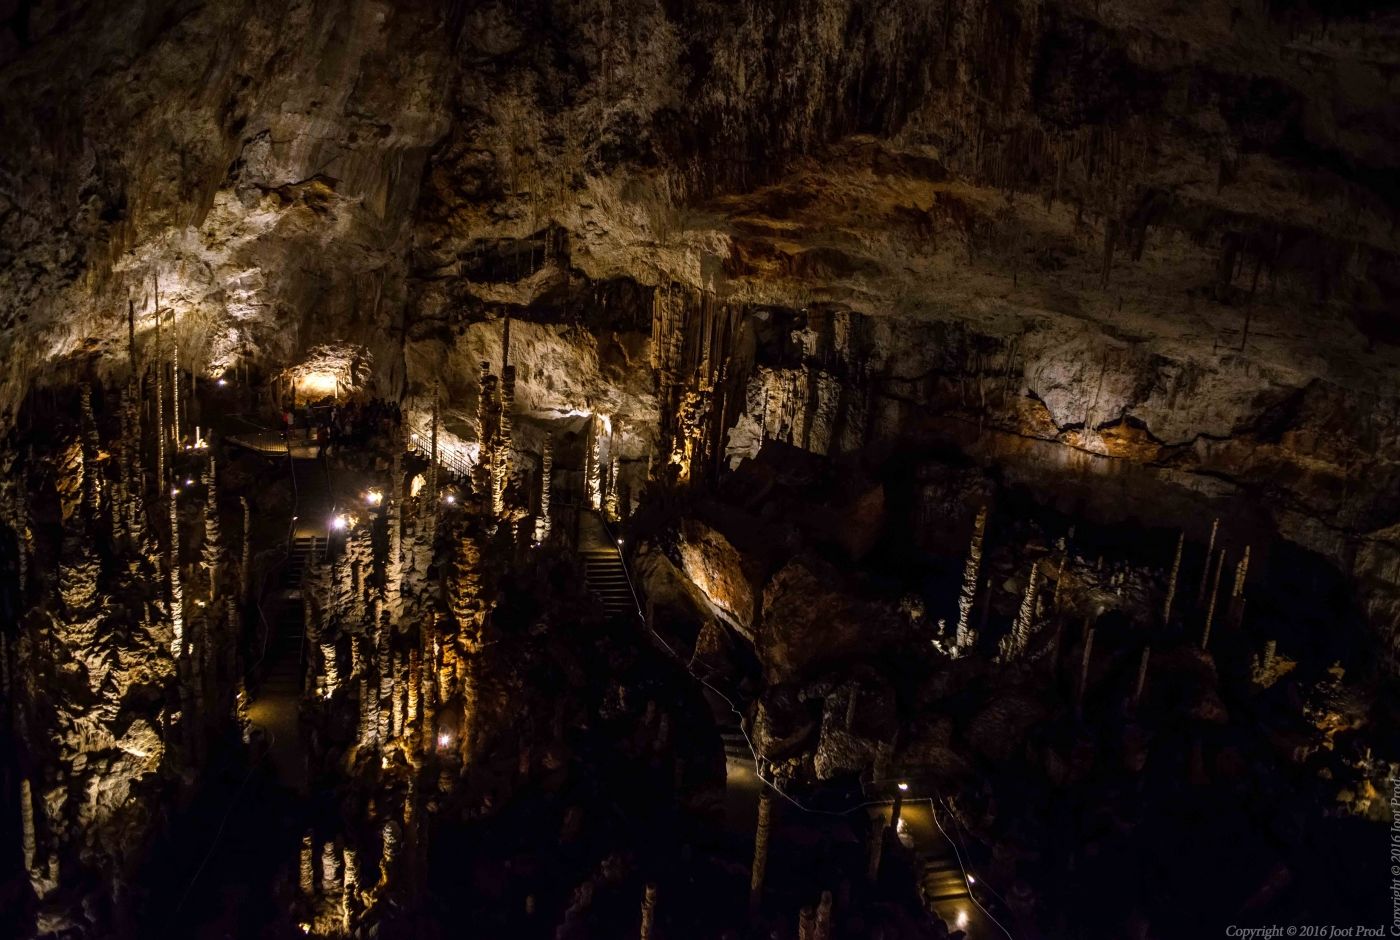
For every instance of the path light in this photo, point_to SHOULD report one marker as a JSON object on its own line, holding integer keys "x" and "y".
{"x": 444, "y": 739}
{"x": 222, "y": 382}
{"x": 971, "y": 880}
{"x": 174, "y": 491}
{"x": 619, "y": 541}
{"x": 962, "y": 918}
{"x": 374, "y": 497}
{"x": 903, "y": 787}
{"x": 450, "y": 499}
{"x": 338, "y": 523}
{"x": 189, "y": 482}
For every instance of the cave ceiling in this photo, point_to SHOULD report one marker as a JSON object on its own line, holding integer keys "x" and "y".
{"x": 1150, "y": 175}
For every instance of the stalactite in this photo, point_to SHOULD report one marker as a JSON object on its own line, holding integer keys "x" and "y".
{"x": 1205, "y": 572}
{"x": 760, "y": 849}
{"x": 648, "y": 911}
{"x": 1214, "y": 594}
{"x": 965, "y": 637}
{"x": 542, "y": 523}
{"x": 1171, "y": 580}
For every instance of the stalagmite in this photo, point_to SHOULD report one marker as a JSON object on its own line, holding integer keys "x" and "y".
{"x": 610, "y": 501}
{"x": 877, "y": 848}
{"x": 823, "y": 925}
{"x": 1241, "y": 571}
{"x": 368, "y": 718}
{"x": 760, "y": 849}
{"x": 211, "y": 548}
{"x": 1084, "y": 668}
{"x": 330, "y": 860}
{"x": 1171, "y": 580}
{"x": 26, "y": 821}
{"x": 1060, "y": 580}
{"x": 648, "y": 911}
{"x": 177, "y": 598}
{"x": 386, "y": 693}
{"x": 1205, "y": 572}
{"x": 1214, "y": 594}
{"x": 1141, "y": 675}
{"x": 174, "y": 386}
{"x": 593, "y": 470}
{"x": 415, "y": 681}
{"x": 1014, "y": 644}
{"x": 160, "y": 396}
{"x": 806, "y": 924}
{"x": 542, "y": 523}
{"x": 245, "y": 573}
{"x": 963, "y": 638}
{"x": 352, "y": 881}
{"x": 307, "y": 870}
{"x": 331, "y": 672}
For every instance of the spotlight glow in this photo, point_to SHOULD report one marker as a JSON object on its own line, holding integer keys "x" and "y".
{"x": 903, "y": 786}
{"x": 339, "y": 522}
{"x": 444, "y": 739}
{"x": 374, "y": 497}
{"x": 962, "y": 918}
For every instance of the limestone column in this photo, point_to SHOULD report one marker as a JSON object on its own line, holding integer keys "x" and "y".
{"x": 971, "y": 569}
{"x": 760, "y": 849}
{"x": 806, "y": 924}
{"x": 415, "y": 679}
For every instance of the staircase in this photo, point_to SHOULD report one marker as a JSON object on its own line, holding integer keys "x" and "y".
{"x": 940, "y": 878}
{"x": 606, "y": 578}
{"x": 284, "y": 672}
{"x": 736, "y": 746}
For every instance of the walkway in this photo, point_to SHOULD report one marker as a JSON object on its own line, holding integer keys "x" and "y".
{"x": 941, "y": 881}
{"x": 274, "y": 444}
